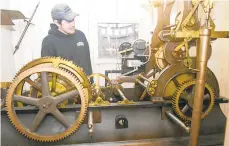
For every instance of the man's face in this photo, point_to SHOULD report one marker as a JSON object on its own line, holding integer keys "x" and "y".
{"x": 67, "y": 27}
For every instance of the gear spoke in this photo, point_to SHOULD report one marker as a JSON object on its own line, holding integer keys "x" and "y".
{"x": 186, "y": 91}
{"x": 193, "y": 90}
{"x": 32, "y": 83}
{"x": 61, "y": 118}
{"x": 44, "y": 84}
{"x": 203, "y": 108}
{"x": 206, "y": 97}
{"x": 47, "y": 104}
{"x": 66, "y": 96}
{"x": 68, "y": 90}
{"x": 185, "y": 109}
{"x": 185, "y": 96}
{"x": 175, "y": 82}
{"x": 26, "y": 100}
{"x": 54, "y": 79}
{"x": 37, "y": 121}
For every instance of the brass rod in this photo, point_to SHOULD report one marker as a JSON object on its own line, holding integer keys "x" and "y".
{"x": 121, "y": 94}
{"x": 142, "y": 84}
{"x": 201, "y": 62}
{"x": 144, "y": 78}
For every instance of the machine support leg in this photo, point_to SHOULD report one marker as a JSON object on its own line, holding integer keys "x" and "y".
{"x": 90, "y": 123}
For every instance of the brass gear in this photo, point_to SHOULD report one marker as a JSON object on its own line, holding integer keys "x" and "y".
{"x": 175, "y": 80}
{"x": 58, "y": 62}
{"x": 61, "y": 86}
{"x": 174, "y": 83}
{"x": 160, "y": 58}
{"x": 101, "y": 91}
{"x": 171, "y": 56}
{"x": 183, "y": 100}
{"x": 43, "y": 108}
{"x": 151, "y": 87}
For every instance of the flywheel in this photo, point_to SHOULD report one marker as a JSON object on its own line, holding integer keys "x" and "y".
{"x": 56, "y": 82}
{"x": 62, "y": 85}
{"x": 46, "y": 107}
{"x": 183, "y": 100}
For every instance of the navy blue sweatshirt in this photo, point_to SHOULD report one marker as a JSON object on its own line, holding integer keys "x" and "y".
{"x": 72, "y": 47}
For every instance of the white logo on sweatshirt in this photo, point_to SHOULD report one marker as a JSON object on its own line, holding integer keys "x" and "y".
{"x": 80, "y": 44}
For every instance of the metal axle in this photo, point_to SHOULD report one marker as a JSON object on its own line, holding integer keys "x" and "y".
{"x": 177, "y": 121}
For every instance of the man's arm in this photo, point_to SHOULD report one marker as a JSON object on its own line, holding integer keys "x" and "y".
{"x": 48, "y": 48}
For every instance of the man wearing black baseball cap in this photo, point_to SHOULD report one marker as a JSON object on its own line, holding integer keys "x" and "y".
{"x": 64, "y": 40}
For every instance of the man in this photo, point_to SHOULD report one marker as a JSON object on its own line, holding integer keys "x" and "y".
{"x": 65, "y": 41}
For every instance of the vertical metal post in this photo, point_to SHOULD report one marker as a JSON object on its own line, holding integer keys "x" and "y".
{"x": 203, "y": 45}
{"x": 201, "y": 63}
{"x": 90, "y": 123}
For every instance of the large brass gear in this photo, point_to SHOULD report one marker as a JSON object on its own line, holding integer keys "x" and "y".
{"x": 171, "y": 77}
{"x": 46, "y": 104}
{"x": 62, "y": 85}
{"x": 183, "y": 100}
{"x": 58, "y": 62}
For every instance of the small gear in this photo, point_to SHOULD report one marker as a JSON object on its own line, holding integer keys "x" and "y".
{"x": 151, "y": 87}
{"x": 184, "y": 96}
{"x": 172, "y": 56}
{"x": 47, "y": 104}
{"x": 98, "y": 91}
{"x": 160, "y": 58}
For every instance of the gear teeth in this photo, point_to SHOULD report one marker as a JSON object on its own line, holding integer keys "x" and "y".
{"x": 35, "y": 60}
{"x": 175, "y": 101}
{"x": 52, "y": 59}
{"x": 47, "y": 58}
{"x": 187, "y": 123}
{"x": 22, "y": 130}
{"x": 212, "y": 93}
{"x": 176, "y": 97}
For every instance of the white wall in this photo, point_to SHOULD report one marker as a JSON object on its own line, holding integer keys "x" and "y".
{"x": 31, "y": 45}
{"x": 6, "y": 57}
{"x": 219, "y": 61}
{"x": 123, "y": 11}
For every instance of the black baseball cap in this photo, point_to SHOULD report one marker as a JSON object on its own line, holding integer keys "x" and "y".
{"x": 63, "y": 12}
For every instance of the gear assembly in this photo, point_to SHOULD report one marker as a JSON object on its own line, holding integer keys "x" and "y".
{"x": 52, "y": 98}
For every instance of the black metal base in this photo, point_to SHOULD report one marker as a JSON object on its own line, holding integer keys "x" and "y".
{"x": 207, "y": 140}
{"x": 144, "y": 122}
